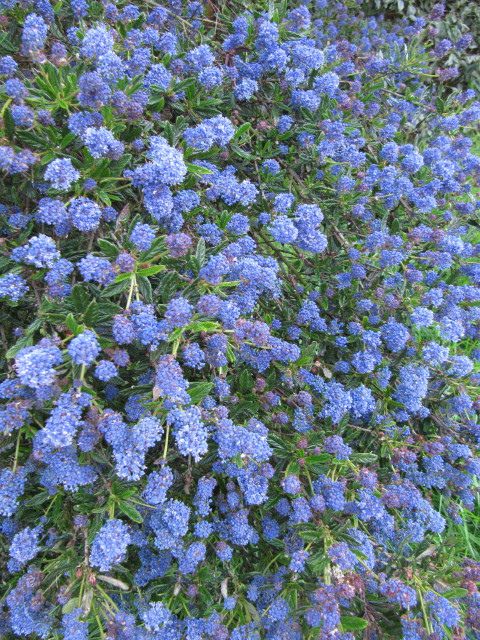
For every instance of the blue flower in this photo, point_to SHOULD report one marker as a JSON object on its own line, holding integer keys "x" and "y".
{"x": 34, "y": 35}
{"x": 35, "y": 365}
{"x": 13, "y": 287}
{"x": 97, "y": 41}
{"x": 109, "y": 546}
{"x": 84, "y": 348}
{"x": 61, "y": 174}
{"x": 84, "y": 214}
{"x": 24, "y": 547}
{"x": 102, "y": 144}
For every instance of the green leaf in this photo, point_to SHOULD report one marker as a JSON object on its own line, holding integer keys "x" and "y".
{"x": 71, "y": 323}
{"x": 456, "y": 592}
{"x": 241, "y": 153}
{"x": 9, "y": 124}
{"x": 72, "y": 604}
{"x": 320, "y": 458}
{"x": 309, "y": 354}
{"x": 151, "y": 271}
{"x": 123, "y": 276}
{"x": 68, "y": 139}
{"x": 37, "y": 500}
{"x": 197, "y": 170}
{"x": 202, "y": 325}
{"x": 246, "y": 381}
{"x": 123, "y": 491}
{"x": 199, "y": 390}
{"x": 353, "y": 623}
{"x": 176, "y": 334}
{"x": 364, "y": 458}
{"x": 26, "y": 341}
{"x": 104, "y": 197}
{"x": 130, "y": 511}
{"x": 145, "y": 289}
{"x": 310, "y": 535}
{"x": 227, "y": 285}
{"x": 231, "y": 357}
{"x": 79, "y": 298}
{"x": 100, "y": 313}
{"x": 158, "y": 246}
{"x": 90, "y": 315}
{"x": 242, "y": 129}
{"x": 114, "y": 289}
{"x": 200, "y": 252}
{"x": 108, "y": 248}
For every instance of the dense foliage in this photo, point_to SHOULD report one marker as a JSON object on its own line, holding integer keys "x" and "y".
{"x": 239, "y": 313}
{"x": 459, "y": 18}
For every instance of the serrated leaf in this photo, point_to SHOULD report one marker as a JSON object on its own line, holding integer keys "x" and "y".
{"x": 37, "y": 500}
{"x": 33, "y": 326}
{"x": 241, "y": 153}
{"x": 227, "y": 285}
{"x": 310, "y": 535}
{"x": 90, "y": 315}
{"x": 293, "y": 467}
{"x": 230, "y": 353}
{"x": 66, "y": 140}
{"x": 157, "y": 247}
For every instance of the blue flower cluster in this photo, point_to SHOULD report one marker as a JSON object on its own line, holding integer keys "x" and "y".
{"x": 239, "y": 283}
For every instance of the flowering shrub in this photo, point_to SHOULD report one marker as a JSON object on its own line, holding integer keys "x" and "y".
{"x": 452, "y": 21}
{"x": 240, "y": 306}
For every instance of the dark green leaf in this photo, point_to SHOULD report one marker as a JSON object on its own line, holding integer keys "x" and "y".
{"x": 199, "y": 390}
{"x": 130, "y": 511}
{"x": 9, "y": 124}
{"x": 108, "y": 248}
{"x": 79, "y": 298}
{"x": 145, "y": 289}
